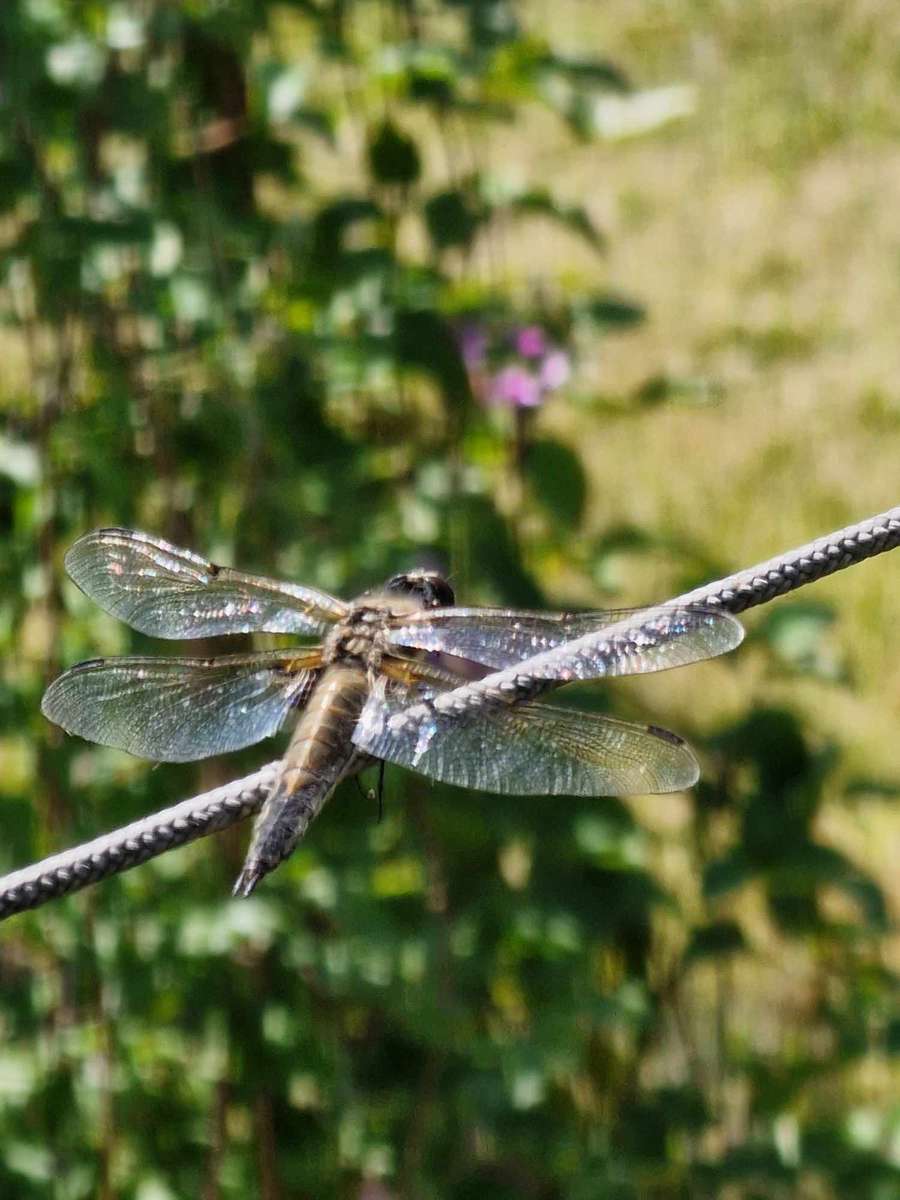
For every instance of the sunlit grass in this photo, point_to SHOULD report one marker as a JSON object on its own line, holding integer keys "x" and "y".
{"x": 761, "y": 235}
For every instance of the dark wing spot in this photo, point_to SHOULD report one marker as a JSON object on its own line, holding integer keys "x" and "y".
{"x": 666, "y": 735}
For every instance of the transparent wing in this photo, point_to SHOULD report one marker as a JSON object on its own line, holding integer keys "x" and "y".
{"x": 167, "y": 592}
{"x": 500, "y": 638}
{"x": 180, "y": 709}
{"x": 497, "y": 637}
{"x": 530, "y": 749}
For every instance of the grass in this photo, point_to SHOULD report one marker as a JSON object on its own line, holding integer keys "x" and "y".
{"x": 761, "y": 234}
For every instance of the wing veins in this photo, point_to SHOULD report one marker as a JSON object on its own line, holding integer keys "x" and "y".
{"x": 525, "y": 749}
{"x": 166, "y": 591}
{"x": 501, "y": 639}
{"x": 179, "y": 709}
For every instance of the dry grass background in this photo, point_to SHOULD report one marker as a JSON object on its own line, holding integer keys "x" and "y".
{"x": 763, "y": 234}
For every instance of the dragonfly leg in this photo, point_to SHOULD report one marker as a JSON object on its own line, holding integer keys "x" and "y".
{"x": 380, "y": 790}
{"x": 375, "y": 792}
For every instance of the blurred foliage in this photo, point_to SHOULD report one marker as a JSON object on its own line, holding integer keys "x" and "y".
{"x": 251, "y": 301}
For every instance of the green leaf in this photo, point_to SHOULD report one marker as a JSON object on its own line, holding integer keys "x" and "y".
{"x": 796, "y": 634}
{"x": 556, "y": 481}
{"x": 696, "y": 392}
{"x": 612, "y": 312}
{"x": 426, "y": 341}
{"x": 330, "y": 228}
{"x": 598, "y": 72}
{"x": 317, "y": 120}
{"x": 575, "y": 218}
{"x": 725, "y": 874}
{"x": 882, "y": 789}
{"x": 491, "y": 546}
{"x": 393, "y": 156}
{"x": 716, "y": 940}
{"x": 452, "y": 219}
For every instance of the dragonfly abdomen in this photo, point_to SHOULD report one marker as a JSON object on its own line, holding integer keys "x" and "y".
{"x": 322, "y": 738}
{"x": 320, "y": 753}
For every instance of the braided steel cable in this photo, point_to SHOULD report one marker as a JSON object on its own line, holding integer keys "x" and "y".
{"x": 597, "y": 654}
{"x": 225, "y": 806}
{"x": 795, "y": 568}
{"x": 135, "y": 843}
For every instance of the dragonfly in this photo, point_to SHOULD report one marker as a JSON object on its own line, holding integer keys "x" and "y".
{"x": 400, "y": 674}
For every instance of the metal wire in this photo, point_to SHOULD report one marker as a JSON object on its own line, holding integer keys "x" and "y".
{"x": 225, "y": 806}
{"x": 135, "y": 843}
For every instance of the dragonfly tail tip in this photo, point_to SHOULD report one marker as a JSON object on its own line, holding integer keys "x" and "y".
{"x": 246, "y": 882}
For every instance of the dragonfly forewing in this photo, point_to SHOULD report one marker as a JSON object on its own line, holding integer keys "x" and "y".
{"x": 165, "y": 591}
{"x": 554, "y": 646}
{"x": 497, "y": 637}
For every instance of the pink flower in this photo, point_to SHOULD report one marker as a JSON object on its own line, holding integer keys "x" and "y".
{"x": 532, "y": 366}
{"x": 531, "y": 341}
{"x": 514, "y": 387}
{"x": 555, "y": 370}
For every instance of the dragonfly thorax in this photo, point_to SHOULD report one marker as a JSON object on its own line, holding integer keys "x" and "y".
{"x": 359, "y": 638}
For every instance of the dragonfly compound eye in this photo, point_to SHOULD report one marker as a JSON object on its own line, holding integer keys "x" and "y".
{"x": 431, "y": 589}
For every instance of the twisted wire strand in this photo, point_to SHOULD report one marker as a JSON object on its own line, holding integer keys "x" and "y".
{"x": 529, "y": 679}
{"x": 225, "y": 806}
{"x": 135, "y": 843}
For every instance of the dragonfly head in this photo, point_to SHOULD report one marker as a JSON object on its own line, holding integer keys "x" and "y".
{"x": 427, "y": 587}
